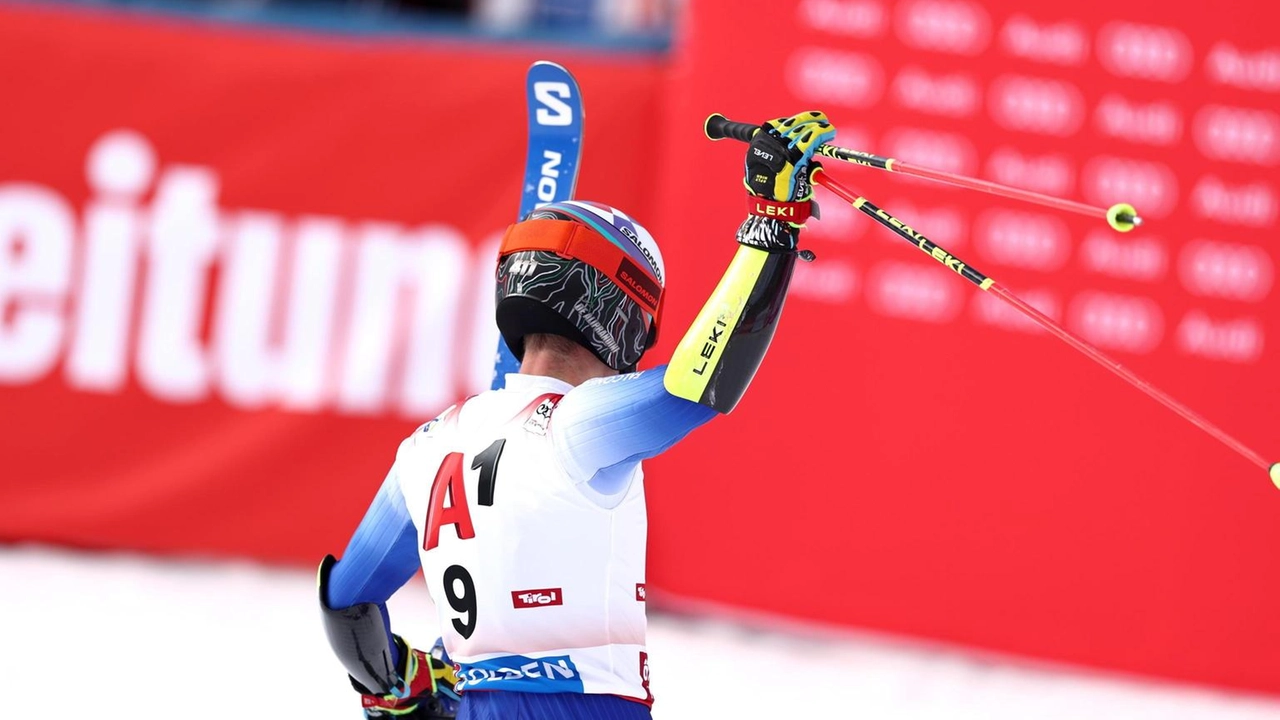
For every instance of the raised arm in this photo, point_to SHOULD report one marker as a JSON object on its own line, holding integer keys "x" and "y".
{"x": 603, "y": 427}
{"x": 721, "y": 352}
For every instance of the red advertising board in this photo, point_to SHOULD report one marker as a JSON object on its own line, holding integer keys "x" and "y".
{"x": 916, "y": 456}
{"x": 237, "y": 266}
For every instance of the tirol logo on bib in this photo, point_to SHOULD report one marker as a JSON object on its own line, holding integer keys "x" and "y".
{"x": 536, "y": 598}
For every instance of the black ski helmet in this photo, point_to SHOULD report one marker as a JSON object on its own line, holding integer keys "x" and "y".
{"x": 584, "y": 271}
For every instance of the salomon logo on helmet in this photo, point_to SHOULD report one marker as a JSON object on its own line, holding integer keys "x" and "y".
{"x": 618, "y": 227}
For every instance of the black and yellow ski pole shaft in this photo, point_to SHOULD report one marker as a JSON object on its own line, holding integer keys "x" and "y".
{"x": 1122, "y": 217}
{"x": 744, "y": 131}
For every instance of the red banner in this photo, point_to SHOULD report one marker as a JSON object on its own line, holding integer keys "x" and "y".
{"x": 237, "y": 266}
{"x": 915, "y": 455}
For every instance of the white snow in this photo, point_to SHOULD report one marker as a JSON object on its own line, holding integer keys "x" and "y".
{"x": 126, "y": 635}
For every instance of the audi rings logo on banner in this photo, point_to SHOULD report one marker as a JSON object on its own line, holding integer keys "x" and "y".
{"x": 913, "y": 292}
{"x": 1151, "y": 186}
{"x": 1036, "y": 105}
{"x": 1145, "y": 52}
{"x": 1236, "y": 134}
{"x": 1035, "y": 241}
{"x": 950, "y": 26}
{"x": 831, "y": 281}
{"x": 853, "y": 18}
{"x": 1064, "y": 43}
{"x": 951, "y": 95}
{"x": 845, "y": 78}
{"x": 1119, "y": 322}
{"x": 1227, "y": 270}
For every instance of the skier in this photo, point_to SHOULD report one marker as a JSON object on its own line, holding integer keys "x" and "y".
{"x": 524, "y": 507}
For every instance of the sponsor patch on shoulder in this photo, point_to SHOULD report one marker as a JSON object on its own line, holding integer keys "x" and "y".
{"x": 540, "y": 419}
{"x": 430, "y": 425}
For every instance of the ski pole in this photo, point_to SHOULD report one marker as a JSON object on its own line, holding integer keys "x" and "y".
{"x": 744, "y": 131}
{"x": 1121, "y": 216}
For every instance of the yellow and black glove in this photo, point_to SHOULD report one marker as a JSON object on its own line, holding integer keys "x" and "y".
{"x": 777, "y": 169}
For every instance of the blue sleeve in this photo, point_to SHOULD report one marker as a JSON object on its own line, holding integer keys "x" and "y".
{"x": 610, "y": 424}
{"x": 382, "y": 555}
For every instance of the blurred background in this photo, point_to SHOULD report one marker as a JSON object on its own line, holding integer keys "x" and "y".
{"x": 246, "y": 246}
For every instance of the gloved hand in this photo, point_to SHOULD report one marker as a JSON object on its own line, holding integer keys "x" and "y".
{"x": 778, "y": 165}
{"x": 427, "y": 680}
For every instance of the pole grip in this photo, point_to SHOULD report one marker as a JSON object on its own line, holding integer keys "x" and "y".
{"x": 719, "y": 127}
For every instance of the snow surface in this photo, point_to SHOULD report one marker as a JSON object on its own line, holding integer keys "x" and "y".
{"x": 130, "y": 636}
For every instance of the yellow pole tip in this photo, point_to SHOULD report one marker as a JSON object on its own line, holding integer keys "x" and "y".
{"x": 1275, "y": 474}
{"x": 1130, "y": 218}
